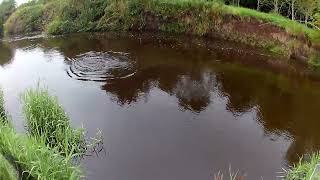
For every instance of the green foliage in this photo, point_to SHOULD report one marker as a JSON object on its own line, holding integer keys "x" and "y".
{"x": 6, "y": 9}
{"x": 77, "y": 16}
{"x": 2, "y": 108}
{"x": 304, "y": 169}
{"x": 197, "y": 17}
{"x": 25, "y": 20}
{"x": 122, "y": 15}
{"x": 7, "y": 171}
{"x": 30, "y": 156}
{"x": 314, "y": 62}
{"x": 34, "y": 157}
{"x": 47, "y": 121}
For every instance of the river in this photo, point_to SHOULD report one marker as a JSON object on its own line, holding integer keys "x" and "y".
{"x": 169, "y": 108}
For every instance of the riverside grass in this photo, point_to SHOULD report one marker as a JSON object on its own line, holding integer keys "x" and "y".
{"x": 192, "y": 17}
{"x": 48, "y": 122}
{"x": 67, "y": 16}
{"x": 36, "y": 159}
{"x": 7, "y": 171}
{"x": 304, "y": 169}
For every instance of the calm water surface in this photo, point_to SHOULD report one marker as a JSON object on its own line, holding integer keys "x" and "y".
{"x": 169, "y": 108}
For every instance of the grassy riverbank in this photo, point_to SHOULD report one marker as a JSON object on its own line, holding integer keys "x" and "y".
{"x": 30, "y": 156}
{"x": 272, "y": 32}
{"x": 304, "y": 169}
{"x": 47, "y": 122}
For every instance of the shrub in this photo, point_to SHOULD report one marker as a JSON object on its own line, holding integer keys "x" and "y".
{"x": 25, "y": 20}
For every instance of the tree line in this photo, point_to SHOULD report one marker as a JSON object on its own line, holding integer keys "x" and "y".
{"x": 7, "y": 7}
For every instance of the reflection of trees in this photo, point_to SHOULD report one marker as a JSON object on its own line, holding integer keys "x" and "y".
{"x": 285, "y": 106}
{"x": 193, "y": 94}
{"x": 6, "y": 53}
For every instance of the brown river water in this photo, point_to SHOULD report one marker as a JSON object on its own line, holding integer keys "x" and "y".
{"x": 170, "y": 108}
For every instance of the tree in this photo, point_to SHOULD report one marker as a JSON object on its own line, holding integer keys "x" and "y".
{"x": 7, "y": 7}
{"x": 307, "y": 8}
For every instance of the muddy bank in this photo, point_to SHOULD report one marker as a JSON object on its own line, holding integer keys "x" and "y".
{"x": 249, "y": 31}
{"x": 272, "y": 32}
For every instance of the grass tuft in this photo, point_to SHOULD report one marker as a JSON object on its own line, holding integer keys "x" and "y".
{"x": 48, "y": 122}
{"x": 7, "y": 171}
{"x": 304, "y": 169}
{"x": 35, "y": 158}
{"x": 28, "y": 157}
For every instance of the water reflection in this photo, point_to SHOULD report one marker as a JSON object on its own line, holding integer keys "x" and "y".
{"x": 6, "y": 53}
{"x": 200, "y": 76}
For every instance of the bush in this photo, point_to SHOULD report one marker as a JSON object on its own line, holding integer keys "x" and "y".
{"x": 25, "y": 20}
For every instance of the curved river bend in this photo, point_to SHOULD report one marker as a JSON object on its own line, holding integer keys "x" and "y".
{"x": 169, "y": 108}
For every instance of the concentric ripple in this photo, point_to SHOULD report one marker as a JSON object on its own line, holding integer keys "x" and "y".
{"x": 101, "y": 66}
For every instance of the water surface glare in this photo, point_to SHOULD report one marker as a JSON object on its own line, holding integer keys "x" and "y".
{"x": 170, "y": 108}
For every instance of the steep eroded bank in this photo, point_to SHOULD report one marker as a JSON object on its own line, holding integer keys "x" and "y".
{"x": 272, "y": 32}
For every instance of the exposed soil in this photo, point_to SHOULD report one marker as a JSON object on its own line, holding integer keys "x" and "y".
{"x": 245, "y": 30}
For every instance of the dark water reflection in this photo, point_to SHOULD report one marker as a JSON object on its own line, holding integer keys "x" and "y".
{"x": 175, "y": 108}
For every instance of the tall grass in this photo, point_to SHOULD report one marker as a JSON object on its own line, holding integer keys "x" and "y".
{"x": 7, "y": 171}
{"x": 33, "y": 157}
{"x": 48, "y": 122}
{"x": 3, "y": 114}
{"x": 304, "y": 169}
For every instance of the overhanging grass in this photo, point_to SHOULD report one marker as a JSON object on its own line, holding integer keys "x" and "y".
{"x": 304, "y": 169}
{"x": 7, "y": 171}
{"x": 48, "y": 122}
{"x": 3, "y": 114}
{"x": 292, "y": 27}
{"x": 35, "y": 158}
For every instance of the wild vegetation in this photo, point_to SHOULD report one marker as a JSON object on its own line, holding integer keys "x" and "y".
{"x": 48, "y": 151}
{"x": 287, "y": 27}
{"x": 8, "y": 172}
{"x": 7, "y": 7}
{"x": 47, "y": 122}
{"x": 304, "y": 169}
{"x": 30, "y": 156}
